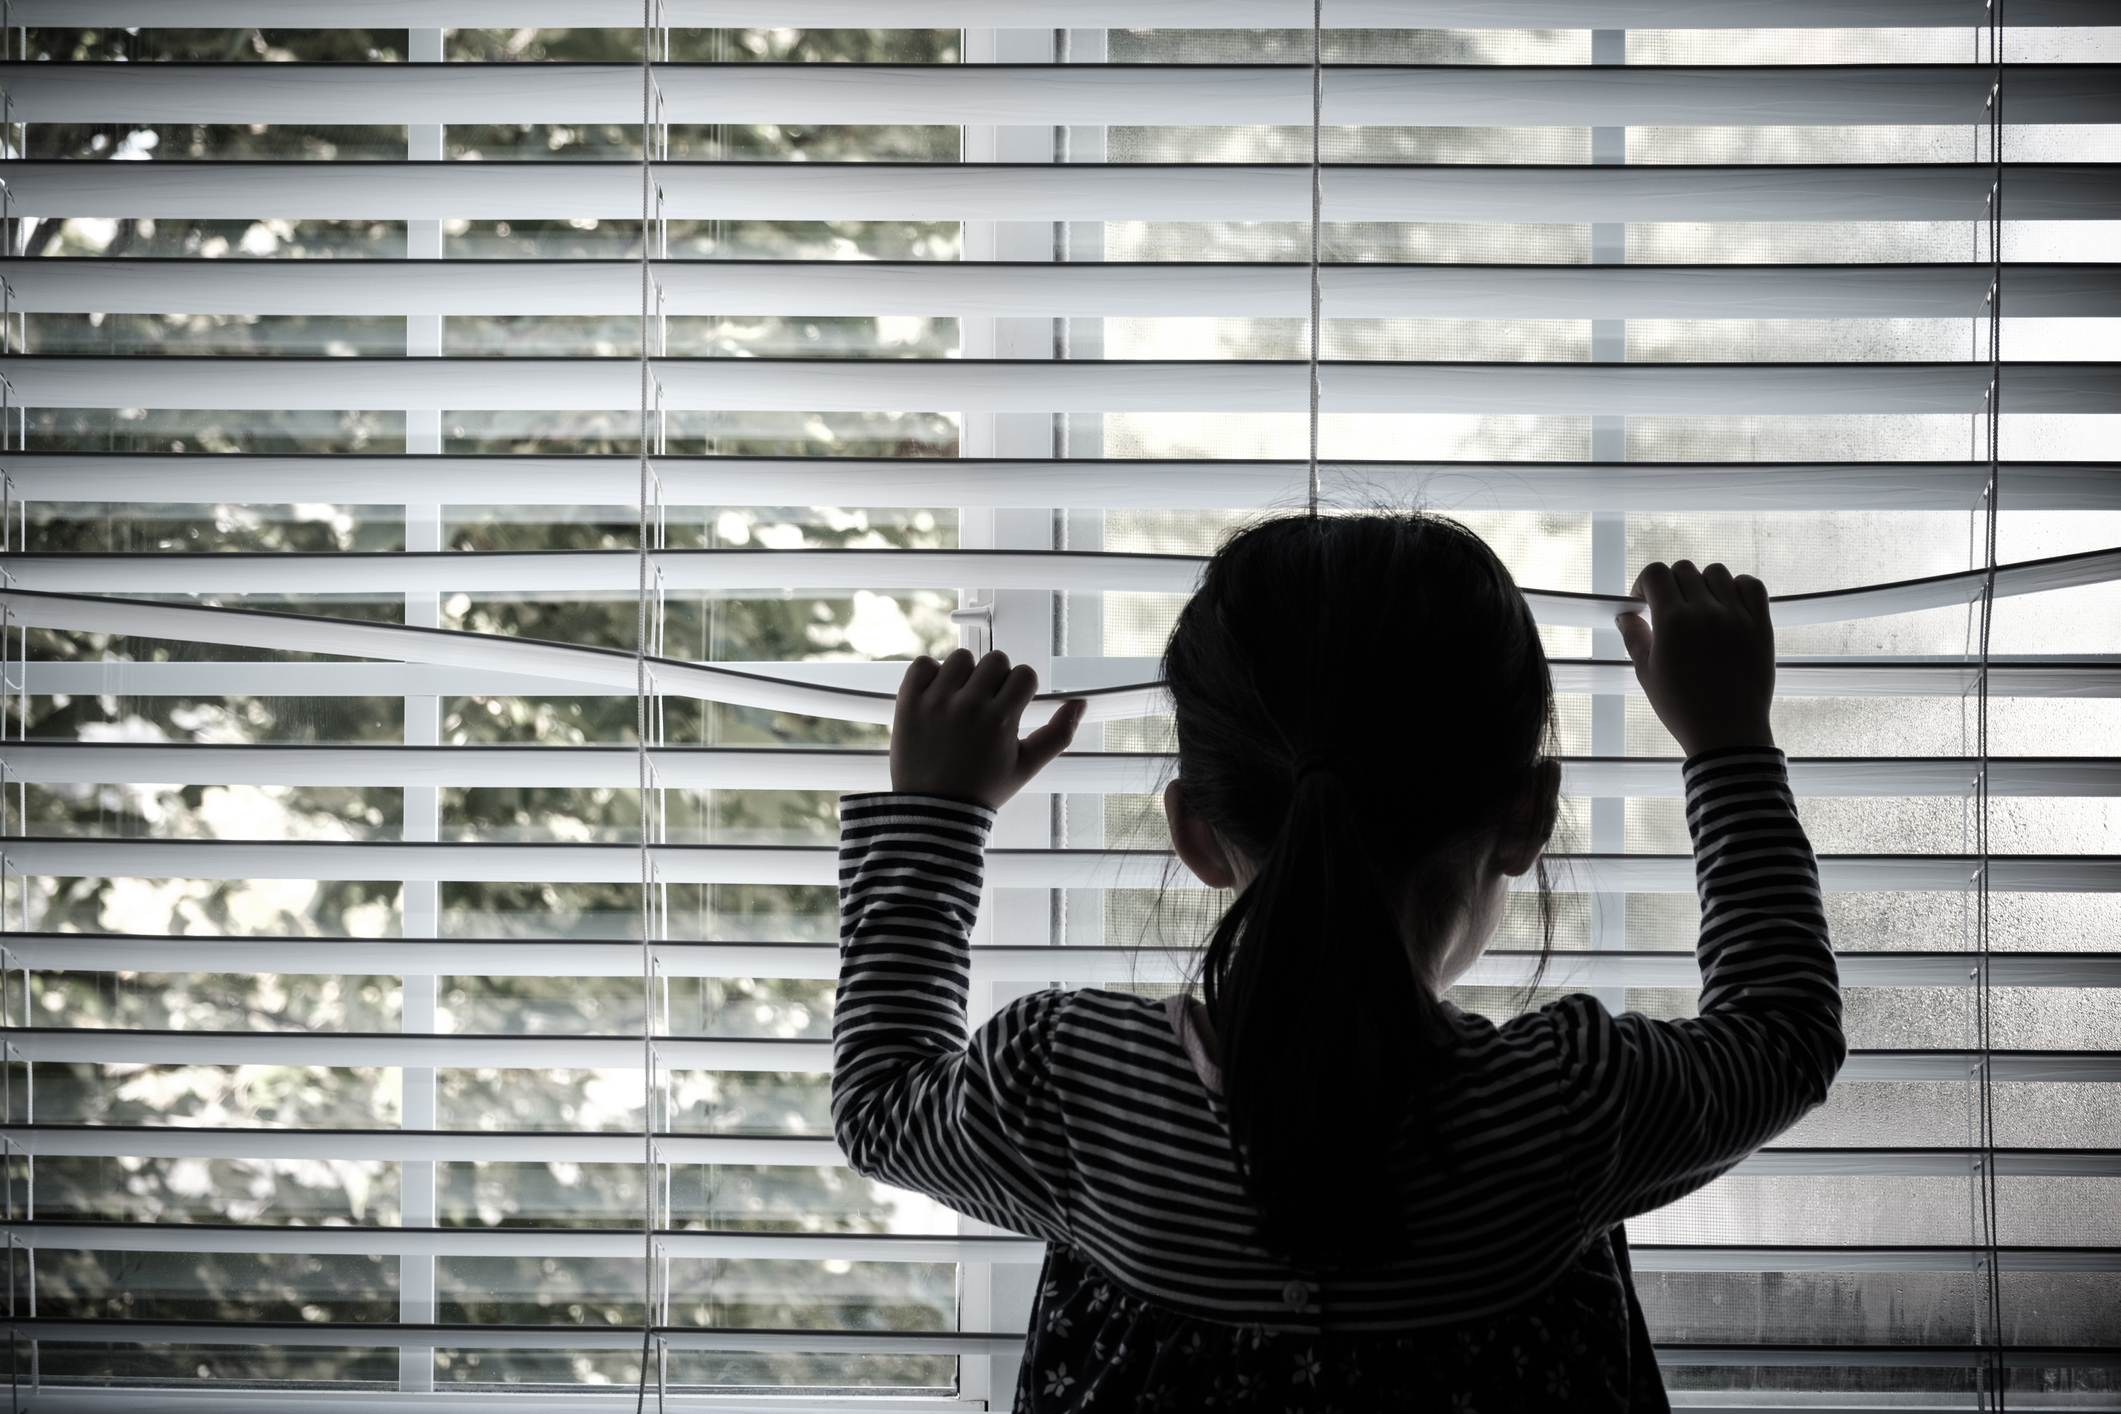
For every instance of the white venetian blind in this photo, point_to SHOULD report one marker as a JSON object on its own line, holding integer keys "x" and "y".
{"x": 468, "y": 492}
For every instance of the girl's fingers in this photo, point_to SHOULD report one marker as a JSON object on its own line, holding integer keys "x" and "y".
{"x": 919, "y": 673}
{"x": 1635, "y": 636}
{"x": 956, "y": 671}
{"x": 1718, "y": 579}
{"x": 1655, "y": 587}
{"x": 1037, "y": 750}
{"x": 1754, "y": 596}
{"x": 1016, "y": 692}
{"x": 987, "y": 677}
{"x": 1689, "y": 582}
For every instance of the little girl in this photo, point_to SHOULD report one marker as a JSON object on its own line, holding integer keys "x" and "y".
{"x": 1323, "y": 1186}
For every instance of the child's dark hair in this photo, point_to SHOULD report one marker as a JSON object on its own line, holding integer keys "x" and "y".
{"x": 1363, "y": 704}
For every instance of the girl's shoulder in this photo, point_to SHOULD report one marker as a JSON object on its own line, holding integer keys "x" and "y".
{"x": 1539, "y": 1039}
{"x": 1122, "y": 1015}
{"x": 1144, "y": 1034}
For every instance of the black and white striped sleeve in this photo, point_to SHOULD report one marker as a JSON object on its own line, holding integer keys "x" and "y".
{"x": 1659, "y": 1108}
{"x": 971, "y": 1121}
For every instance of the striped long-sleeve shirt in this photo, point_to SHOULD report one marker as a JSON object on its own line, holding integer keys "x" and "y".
{"x": 1078, "y": 1117}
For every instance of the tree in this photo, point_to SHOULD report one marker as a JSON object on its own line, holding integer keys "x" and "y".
{"x": 563, "y": 1292}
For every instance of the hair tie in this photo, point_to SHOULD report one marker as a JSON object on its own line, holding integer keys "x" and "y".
{"x": 1314, "y": 763}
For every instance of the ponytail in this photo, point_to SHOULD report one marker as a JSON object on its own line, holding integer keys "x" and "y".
{"x": 1326, "y": 1032}
{"x": 1307, "y": 633}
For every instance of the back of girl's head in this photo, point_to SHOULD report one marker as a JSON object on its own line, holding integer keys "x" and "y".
{"x": 1362, "y": 705}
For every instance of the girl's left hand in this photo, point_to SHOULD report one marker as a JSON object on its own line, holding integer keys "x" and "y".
{"x": 955, "y": 729}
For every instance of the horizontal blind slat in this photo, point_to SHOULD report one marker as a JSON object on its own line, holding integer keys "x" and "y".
{"x": 1087, "y": 289}
{"x": 1045, "y": 386}
{"x": 531, "y": 479}
{"x": 621, "y": 1147}
{"x": 1006, "y": 868}
{"x": 232, "y": 1399}
{"x": 796, "y": 768}
{"x": 1815, "y": 95}
{"x": 749, "y": 683}
{"x": 1203, "y": 191}
{"x": 499, "y": 1337}
{"x": 561, "y": 572}
{"x": 828, "y": 1341}
{"x": 1115, "y": 14}
{"x": 692, "y": 1244}
{"x": 2010, "y": 1356}
{"x": 85, "y": 1046}
{"x": 1644, "y": 1257}
{"x": 89, "y": 952}
{"x": 609, "y": 669}
{"x": 557, "y": 574}
{"x": 1775, "y": 1162}
{"x": 417, "y": 1145}
{"x": 579, "y": 863}
{"x": 2005, "y": 1067}
{"x": 861, "y": 691}
{"x": 578, "y": 1244}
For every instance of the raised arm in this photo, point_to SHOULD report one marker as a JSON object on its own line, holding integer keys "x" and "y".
{"x": 915, "y": 1102}
{"x": 1661, "y": 1108}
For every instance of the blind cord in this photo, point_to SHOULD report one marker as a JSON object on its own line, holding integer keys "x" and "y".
{"x": 1318, "y": 92}
{"x": 640, "y": 729}
{"x": 1991, "y": 1293}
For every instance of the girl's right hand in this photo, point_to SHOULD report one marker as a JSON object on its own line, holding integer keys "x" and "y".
{"x": 1708, "y": 664}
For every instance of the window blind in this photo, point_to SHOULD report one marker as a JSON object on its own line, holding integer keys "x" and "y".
{"x": 469, "y": 492}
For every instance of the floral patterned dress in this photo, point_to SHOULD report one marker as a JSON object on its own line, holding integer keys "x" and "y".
{"x": 1580, "y": 1345}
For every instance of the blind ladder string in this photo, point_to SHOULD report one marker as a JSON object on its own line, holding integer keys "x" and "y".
{"x": 1318, "y": 90}
{"x": 1991, "y": 1293}
{"x": 640, "y": 724}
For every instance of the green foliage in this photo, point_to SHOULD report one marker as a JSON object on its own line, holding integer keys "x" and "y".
{"x": 203, "y": 430}
{"x": 888, "y": 1295}
{"x": 702, "y": 142}
{"x": 218, "y": 142}
{"x": 772, "y": 1294}
{"x": 222, "y": 1286}
{"x": 297, "y": 1192}
{"x": 594, "y": 238}
{"x": 167, "y": 237}
{"x": 705, "y": 46}
{"x": 606, "y": 46}
{"x": 286, "y": 335}
{"x": 884, "y": 1295}
{"x": 751, "y": 628}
